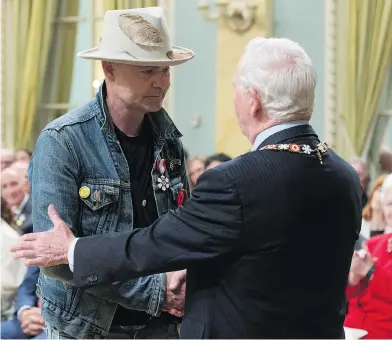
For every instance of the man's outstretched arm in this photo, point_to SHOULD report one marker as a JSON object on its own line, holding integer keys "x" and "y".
{"x": 208, "y": 225}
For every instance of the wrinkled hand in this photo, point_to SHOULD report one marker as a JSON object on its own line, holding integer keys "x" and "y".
{"x": 361, "y": 263}
{"x": 175, "y": 293}
{"x": 31, "y": 321}
{"x": 48, "y": 248}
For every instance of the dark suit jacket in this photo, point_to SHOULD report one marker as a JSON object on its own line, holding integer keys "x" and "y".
{"x": 26, "y": 294}
{"x": 267, "y": 240}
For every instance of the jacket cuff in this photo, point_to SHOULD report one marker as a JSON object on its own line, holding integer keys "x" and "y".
{"x": 158, "y": 295}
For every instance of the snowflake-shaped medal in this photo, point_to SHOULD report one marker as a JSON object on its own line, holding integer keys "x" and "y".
{"x": 306, "y": 149}
{"x": 163, "y": 183}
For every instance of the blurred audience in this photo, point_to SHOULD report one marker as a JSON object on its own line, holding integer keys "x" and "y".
{"x": 215, "y": 160}
{"x": 195, "y": 168}
{"x": 12, "y": 271}
{"x": 22, "y": 168}
{"x": 13, "y": 185}
{"x": 385, "y": 160}
{"x": 369, "y": 290}
{"x": 23, "y": 155}
{"x": 373, "y": 214}
{"x": 362, "y": 170}
{"x": 27, "y": 322}
{"x": 6, "y": 158}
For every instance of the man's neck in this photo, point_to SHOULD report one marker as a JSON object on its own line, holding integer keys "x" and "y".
{"x": 126, "y": 119}
{"x": 260, "y": 128}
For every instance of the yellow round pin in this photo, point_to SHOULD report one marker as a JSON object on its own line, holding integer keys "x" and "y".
{"x": 84, "y": 192}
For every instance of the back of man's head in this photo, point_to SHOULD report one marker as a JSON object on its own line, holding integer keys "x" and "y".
{"x": 283, "y": 74}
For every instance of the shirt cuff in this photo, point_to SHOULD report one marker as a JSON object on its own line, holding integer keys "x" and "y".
{"x": 21, "y": 309}
{"x": 71, "y": 251}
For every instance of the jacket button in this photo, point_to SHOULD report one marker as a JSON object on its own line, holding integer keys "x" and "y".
{"x": 144, "y": 202}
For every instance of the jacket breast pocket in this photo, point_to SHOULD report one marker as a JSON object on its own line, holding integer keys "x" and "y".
{"x": 99, "y": 208}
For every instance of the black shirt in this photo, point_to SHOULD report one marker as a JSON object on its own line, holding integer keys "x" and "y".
{"x": 139, "y": 153}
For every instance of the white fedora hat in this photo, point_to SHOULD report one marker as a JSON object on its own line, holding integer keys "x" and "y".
{"x": 138, "y": 36}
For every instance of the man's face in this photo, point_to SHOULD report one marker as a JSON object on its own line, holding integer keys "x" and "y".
{"x": 141, "y": 87}
{"x": 12, "y": 188}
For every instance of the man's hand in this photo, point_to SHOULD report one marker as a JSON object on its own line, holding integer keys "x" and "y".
{"x": 175, "y": 293}
{"x": 389, "y": 247}
{"x": 31, "y": 321}
{"x": 48, "y": 248}
{"x": 361, "y": 263}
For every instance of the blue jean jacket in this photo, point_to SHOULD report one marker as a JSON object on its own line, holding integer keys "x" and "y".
{"x": 81, "y": 149}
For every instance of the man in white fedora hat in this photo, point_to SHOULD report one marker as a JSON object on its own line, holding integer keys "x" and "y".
{"x": 114, "y": 164}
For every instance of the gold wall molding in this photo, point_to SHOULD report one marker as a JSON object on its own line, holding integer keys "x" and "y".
{"x": 331, "y": 59}
{"x": 230, "y": 47}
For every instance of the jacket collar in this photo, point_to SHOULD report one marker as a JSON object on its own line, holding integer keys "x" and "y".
{"x": 274, "y": 129}
{"x": 162, "y": 125}
{"x": 287, "y": 134}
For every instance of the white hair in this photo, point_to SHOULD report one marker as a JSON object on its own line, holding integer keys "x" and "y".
{"x": 386, "y": 186}
{"x": 283, "y": 75}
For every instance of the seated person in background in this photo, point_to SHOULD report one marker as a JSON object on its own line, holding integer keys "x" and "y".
{"x": 12, "y": 271}
{"x": 195, "y": 169}
{"x": 13, "y": 186}
{"x": 6, "y": 158}
{"x": 27, "y": 322}
{"x": 23, "y": 155}
{"x": 369, "y": 290}
{"x": 385, "y": 160}
{"x": 22, "y": 168}
{"x": 378, "y": 218}
{"x": 214, "y": 160}
{"x": 372, "y": 214}
{"x": 362, "y": 170}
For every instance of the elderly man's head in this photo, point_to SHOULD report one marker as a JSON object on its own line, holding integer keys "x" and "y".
{"x": 138, "y": 88}
{"x": 361, "y": 169}
{"x": 275, "y": 82}
{"x": 6, "y": 158}
{"x": 22, "y": 169}
{"x": 12, "y": 187}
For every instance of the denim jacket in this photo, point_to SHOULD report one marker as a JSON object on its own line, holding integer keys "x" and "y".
{"x": 80, "y": 149}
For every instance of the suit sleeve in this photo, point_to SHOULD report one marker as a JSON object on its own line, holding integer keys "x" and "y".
{"x": 26, "y": 294}
{"x": 207, "y": 226}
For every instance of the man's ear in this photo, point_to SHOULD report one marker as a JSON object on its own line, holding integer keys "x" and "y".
{"x": 255, "y": 102}
{"x": 108, "y": 70}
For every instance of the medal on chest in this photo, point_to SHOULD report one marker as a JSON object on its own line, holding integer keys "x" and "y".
{"x": 162, "y": 181}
